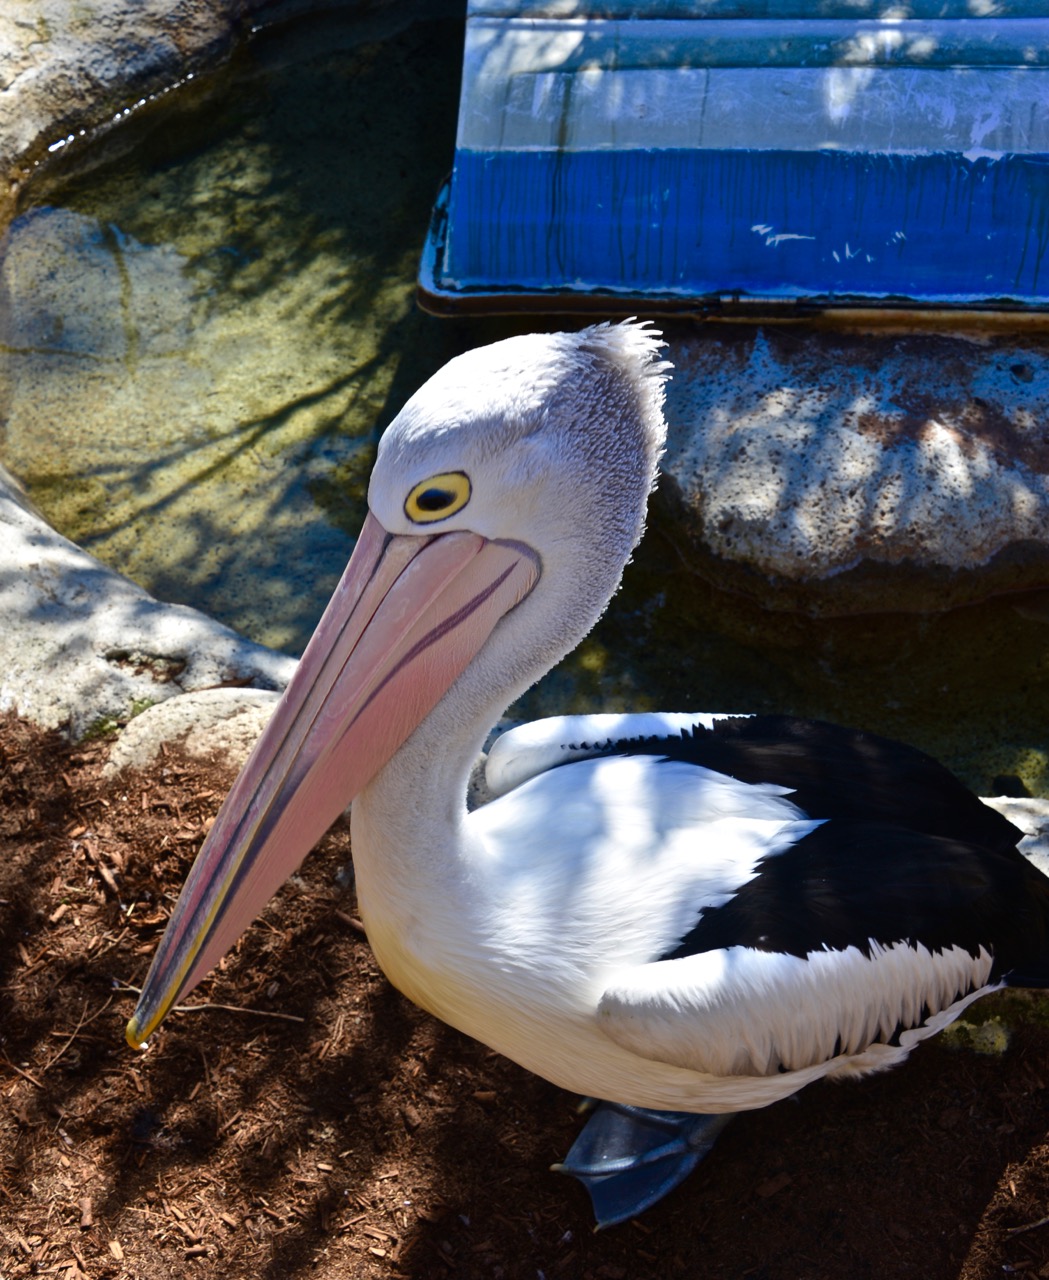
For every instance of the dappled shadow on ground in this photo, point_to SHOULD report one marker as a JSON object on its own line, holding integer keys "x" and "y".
{"x": 336, "y": 1131}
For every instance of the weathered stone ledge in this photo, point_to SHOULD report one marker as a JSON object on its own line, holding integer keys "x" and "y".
{"x": 836, "y": 471}
{"x": 84, "y": 649}
{"x": 67, "y": 70}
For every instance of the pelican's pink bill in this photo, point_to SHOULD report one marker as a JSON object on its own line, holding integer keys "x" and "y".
{"x": 406, "y": 619}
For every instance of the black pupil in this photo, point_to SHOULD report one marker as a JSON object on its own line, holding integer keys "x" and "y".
{"x": 434, "y": 499}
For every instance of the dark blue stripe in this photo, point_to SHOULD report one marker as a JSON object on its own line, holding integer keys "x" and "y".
{"x": 929, "y": 228}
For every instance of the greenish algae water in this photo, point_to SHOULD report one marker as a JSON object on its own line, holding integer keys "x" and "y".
{"x": 204, "y": 335}
{"x": 970, "y": 686}
{"x": 206, "y": 331}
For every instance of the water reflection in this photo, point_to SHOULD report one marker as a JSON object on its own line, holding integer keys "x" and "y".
{"x": 205, "y": 337}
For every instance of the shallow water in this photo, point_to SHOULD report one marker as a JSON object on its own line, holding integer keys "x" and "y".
{"x": 207, "y": 331}
{"x": 204, "y": 337}
{"x": 970, "y": 686}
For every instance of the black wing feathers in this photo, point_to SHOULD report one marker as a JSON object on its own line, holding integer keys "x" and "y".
{"x": 840, "y": 773}
{"x": 906, "y": 852}
{"x": 853, "y": 883}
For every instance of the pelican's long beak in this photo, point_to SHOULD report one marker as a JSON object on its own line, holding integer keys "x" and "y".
{"x": 406, "y": 619}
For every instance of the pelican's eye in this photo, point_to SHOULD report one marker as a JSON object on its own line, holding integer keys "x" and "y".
{"x": 437, "y": 498}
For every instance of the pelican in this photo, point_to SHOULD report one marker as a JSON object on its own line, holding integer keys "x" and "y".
{"x": 680, "y": 916}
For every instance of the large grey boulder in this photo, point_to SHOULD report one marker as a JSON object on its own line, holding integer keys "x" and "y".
{"x": 67, "y": 69}
{"x": 854, "y": 472}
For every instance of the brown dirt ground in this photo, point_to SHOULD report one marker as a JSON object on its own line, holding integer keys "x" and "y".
{"x": 348, "y": 1135}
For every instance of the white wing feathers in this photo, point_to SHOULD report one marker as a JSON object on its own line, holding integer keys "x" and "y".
{"x": 745, "y": 1012}
{"x": 530, "y": 749}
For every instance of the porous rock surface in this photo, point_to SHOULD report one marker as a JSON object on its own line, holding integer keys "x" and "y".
{"x": 223, "y": 723}
{"x": 851, "y": 472}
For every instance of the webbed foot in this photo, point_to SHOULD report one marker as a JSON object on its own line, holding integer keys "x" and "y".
{"x": 630, "y": 1157}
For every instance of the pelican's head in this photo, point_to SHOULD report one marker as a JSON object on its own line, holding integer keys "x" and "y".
{"x": 505, "y": 500}
{"x": 538, "y": 432}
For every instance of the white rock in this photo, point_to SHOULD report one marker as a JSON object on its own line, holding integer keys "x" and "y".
{"x": 1032, "y": 817}
{"x": 803, "y": 453}
{"x": 82, "y": 645}
{"x": 212, "y": 722}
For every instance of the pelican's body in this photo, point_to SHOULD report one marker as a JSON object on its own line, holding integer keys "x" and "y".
{"x": 552, "y": 912}
{"x": 677, "y": 913}
{"x": 522, "y": 934}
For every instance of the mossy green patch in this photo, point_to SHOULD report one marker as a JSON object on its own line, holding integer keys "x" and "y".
{"x": 102, "y": 729}
{"x": 990, "y": 1037}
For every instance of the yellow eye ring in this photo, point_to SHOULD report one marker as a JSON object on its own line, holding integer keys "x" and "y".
{"x": 438, "y": 498}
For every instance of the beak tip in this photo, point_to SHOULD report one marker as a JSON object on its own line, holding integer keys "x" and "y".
{"x": 134, "y": 1038}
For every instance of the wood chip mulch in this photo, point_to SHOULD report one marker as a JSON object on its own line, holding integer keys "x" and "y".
{"x": 309, "y": 1122}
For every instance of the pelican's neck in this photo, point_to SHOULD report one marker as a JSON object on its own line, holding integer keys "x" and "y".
{"x": 415, "y": 805}
{"x": 415, "y": 857}
{"x": 409, "y": 829}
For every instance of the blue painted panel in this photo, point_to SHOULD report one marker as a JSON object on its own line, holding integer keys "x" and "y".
{"x": 770, "y": 149}
{"x": 746, "y": 10}
{"x": 758, "y": 223}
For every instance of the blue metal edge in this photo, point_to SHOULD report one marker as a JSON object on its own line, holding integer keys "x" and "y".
{"x": 437, "y": 299}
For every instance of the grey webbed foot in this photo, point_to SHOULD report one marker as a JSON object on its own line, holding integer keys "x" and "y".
{"x": 629, "y": 1157}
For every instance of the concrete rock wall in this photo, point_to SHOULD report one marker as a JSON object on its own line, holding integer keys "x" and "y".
{"x": 853, "y": 472}
{"x": 73, "y": 65}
